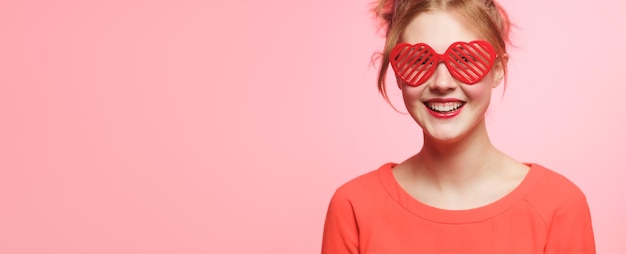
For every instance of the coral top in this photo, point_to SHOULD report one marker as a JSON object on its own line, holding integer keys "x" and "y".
{"x": 546, "y": 213}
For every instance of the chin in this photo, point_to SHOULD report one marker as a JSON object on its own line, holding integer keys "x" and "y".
{"x": 445, "y": 138}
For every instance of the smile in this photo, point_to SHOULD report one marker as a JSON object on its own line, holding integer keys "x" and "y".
{"x": 444, "y": 109}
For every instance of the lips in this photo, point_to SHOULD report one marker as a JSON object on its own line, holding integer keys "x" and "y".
{"x": 444, "y": 108}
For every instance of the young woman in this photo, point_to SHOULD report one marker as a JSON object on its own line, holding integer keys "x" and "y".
{"x": 458, "y": 194}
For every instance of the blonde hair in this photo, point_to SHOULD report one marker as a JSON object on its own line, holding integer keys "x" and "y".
{"x": 488, "y": 18}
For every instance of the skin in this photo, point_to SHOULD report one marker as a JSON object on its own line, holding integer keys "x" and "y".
{"x": 458, "y": 167}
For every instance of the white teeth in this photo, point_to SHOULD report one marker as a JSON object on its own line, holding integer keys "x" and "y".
{"x": 444, "y": 106}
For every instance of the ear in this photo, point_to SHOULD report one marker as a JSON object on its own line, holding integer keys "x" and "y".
{"x": 399, "y": 81}
{"x": 498, "y": 69}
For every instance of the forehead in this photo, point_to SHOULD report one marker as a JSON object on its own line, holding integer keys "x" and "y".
{"x": 438, "y": 29}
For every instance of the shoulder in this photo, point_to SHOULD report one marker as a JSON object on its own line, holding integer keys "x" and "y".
{"x": 556, "y": 185}
{"x": 351, "y": 203}
{"x": 564, "y": 210}
{"x": 553, "y": 192}
{"x": 362, "y": 189}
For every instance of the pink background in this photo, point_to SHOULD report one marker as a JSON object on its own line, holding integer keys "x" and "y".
{"x": 203, "y": 127}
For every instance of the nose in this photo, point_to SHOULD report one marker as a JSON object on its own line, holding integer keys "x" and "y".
{"x": 442, "y": 81}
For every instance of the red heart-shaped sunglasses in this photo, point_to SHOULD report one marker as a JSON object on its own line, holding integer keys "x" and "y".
{"x": 468, "y": 62}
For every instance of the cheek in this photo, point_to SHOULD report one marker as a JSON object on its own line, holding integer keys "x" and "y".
{"x": 482, "y": 89}
{"x": 479, "y": 91}
{"x": 412, "y": 95}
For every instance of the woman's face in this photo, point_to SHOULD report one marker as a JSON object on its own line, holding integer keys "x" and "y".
{"x": 445, "y": 108}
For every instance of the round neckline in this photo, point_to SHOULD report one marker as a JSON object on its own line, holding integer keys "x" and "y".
{"x": 439, "y": 215}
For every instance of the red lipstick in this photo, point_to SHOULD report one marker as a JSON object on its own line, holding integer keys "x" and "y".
{"x": 444, "y": 107}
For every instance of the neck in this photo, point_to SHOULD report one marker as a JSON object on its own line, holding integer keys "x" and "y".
{"x": 460, "y": 160}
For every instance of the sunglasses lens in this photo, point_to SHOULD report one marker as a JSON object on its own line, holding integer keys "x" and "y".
{"x": 470, "y": 62}
{"x": 414, "y": 64}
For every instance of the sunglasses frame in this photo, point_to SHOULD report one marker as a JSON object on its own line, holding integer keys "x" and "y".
{"x": 466, "y": 67}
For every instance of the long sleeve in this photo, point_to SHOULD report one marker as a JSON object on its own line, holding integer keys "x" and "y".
{"x": 570, "y": 231}
{"x": 341, "y": 233}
